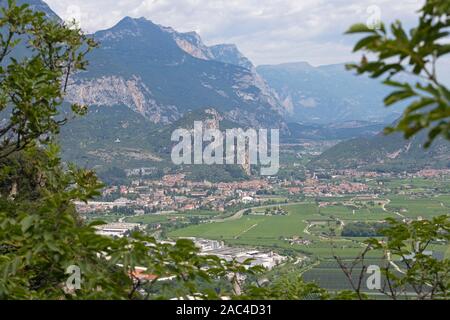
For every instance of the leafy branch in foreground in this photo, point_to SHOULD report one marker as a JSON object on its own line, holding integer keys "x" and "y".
{"x": 413, "y": 54}
{"x": 37, "y": 57}
{"x": 409, "y": 269}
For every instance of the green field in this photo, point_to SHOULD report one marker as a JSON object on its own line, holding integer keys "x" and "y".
{"x": 328, "y": 274}
{"x": 356, "y": 214}
{"x": 414, "y": 184}
{"x": 265, "y": 226}
{"x": 412, "y": 207}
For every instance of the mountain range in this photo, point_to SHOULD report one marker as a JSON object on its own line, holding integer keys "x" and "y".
{"x": 162, "y": 74}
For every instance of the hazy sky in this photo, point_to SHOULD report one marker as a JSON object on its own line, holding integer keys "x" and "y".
{"x": 266, "y": 31}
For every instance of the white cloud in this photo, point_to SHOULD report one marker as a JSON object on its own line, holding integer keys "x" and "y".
{"x": 267, "y": 31}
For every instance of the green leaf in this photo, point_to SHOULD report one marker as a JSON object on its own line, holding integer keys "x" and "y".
{"x": 26, "y": 223}
{"x": 443, "y": 50}
{"x": 398, "y": 96}
{"x": 364, "y": 42}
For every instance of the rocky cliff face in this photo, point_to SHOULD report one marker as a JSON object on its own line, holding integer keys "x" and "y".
{"x": 213, "y": 120}
{"x": 191, "y": 43}
{"x": 229, "y": 53}
{"x": 115, "y": 90}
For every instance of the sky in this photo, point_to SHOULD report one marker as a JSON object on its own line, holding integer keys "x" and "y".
{"x": 266, "y": 31}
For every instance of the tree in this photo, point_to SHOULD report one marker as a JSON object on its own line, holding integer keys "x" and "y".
{"x": 408, "y": 267}
{"x": 414, "y": 54}
{"x": 32, "y": 87}
{"x": 41, "y": 235}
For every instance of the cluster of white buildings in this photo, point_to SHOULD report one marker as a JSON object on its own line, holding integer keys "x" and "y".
{"x": 268, "y": 260}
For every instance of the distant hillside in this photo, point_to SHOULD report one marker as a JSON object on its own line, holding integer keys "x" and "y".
{"x": 333, "y": 131}
{"x": 119, "y": 138}
{"x": 114, "y": 136}
{"x": 382, "y": 152}
{"x": 210, "y": 118}
{"x": 327, "y": 93}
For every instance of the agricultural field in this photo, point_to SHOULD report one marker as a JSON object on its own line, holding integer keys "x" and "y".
{"x": 418, "y": 207}
{"x": 416, "y": 184}
{"x": 328, "y": 274}
{"x": 354, "y": 213}
{"x": 251, "y": 228}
